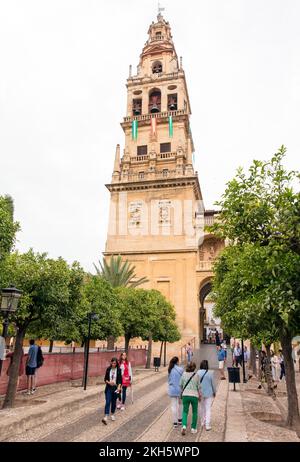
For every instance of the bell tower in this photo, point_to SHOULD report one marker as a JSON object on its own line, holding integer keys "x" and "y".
{"x": 156, "y": 209}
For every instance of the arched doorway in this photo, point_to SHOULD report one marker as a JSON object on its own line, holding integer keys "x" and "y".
{"x": 204, "y": 291}
{"x": 208, "y": 322}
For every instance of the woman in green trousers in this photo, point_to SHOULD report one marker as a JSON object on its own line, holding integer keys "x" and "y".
{"x": 191, "y": 392}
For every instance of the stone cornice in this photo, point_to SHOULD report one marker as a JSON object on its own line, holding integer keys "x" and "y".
{"x": 150, "y": 252}
{"x": 157, "y": 184}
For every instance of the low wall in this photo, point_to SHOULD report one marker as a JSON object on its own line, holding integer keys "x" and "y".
{"x": 61, "y": 367}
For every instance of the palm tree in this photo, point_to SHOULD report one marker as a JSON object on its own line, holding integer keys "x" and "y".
{"x": 118, "y": 273}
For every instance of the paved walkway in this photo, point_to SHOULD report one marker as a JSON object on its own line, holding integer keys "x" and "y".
{"x": 74, "y": 415}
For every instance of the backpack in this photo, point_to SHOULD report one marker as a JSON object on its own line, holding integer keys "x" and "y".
{"x": 40, "y": 358}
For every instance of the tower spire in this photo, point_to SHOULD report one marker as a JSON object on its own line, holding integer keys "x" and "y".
{"x": 116, "y": 172}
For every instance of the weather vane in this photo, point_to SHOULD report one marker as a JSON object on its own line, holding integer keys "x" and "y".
{"x": 160, "y": 9}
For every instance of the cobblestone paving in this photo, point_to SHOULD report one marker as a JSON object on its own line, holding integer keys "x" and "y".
{"x": 150, "y": 417}
{"x": 71, "y": 431}
{"x": 130, "y": 431}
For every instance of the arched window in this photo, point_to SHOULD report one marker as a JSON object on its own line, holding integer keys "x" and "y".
{"x": 154, "y": 101}
{"x": 156, "y": 67}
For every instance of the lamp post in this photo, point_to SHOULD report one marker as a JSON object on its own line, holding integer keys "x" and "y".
{"x": 9, "y": 304}
{"x": 90, "y": 317}
{"x": 243, "y": 361}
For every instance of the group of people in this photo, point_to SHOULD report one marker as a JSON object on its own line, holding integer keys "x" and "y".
{"x": 118, "y": 377}
{"x": 187, "y": 388}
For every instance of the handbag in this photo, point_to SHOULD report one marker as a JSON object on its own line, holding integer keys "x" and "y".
{"x": 186, "y": 384}
{"x": 202, "y": 380}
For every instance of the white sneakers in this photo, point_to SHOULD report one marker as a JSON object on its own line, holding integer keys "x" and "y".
{"x": 208, "y": 427}
{"x": 122, "y": 408}
{"x": 113, "y": 417}
{"x": 194, "y": 430}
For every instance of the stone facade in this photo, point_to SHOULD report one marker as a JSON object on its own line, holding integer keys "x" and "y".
{"x": 157, "y": 215}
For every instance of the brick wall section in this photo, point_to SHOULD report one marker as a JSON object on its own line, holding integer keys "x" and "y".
{"x": 61, "y": 367}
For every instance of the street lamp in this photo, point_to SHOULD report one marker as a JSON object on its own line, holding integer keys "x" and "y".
{"x": 9, "y": 304}
{"x": 243, "y": 362}
{"x": 90, "y": 317}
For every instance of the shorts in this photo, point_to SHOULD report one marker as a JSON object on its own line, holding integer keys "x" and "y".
{"x": 221, "y": 364}
{"x": 30, "y": 370}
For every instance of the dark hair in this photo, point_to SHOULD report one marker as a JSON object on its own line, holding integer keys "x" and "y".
{"x": 172, "y": 363}
{"x": 114, "y": 360}
{"x": 204, "y": 364}
{"x": 190, "y": 367}
{"x": 31, "y": 342}
{"x": 121, "y": 359}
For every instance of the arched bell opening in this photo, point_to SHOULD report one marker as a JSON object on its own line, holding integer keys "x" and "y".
{"x": 157, "y": 66}
{"x": 155, "y": 101}
{"x": 172, "y": 102}
{"x": 137, "y": 106}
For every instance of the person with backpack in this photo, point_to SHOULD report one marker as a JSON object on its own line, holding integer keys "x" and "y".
{"x": 221, "y": 359}
{"x": 126, "y": 372}
{"x": 208, "y": 392}
{"x": 174, "y": 391}
{"x": 191, "y": 393}
{"x": 31, "y": 366}
{"x": 113, "y": 381}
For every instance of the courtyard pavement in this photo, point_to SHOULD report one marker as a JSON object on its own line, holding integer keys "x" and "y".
{"x": 65, "y": 412}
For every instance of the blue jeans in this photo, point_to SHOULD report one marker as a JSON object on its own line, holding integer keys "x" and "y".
{"x": 189, "y": 355}
{"x": 124, "y": 390}
{"x": 110, "y": 399}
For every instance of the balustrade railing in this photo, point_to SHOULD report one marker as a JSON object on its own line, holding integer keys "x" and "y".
{"x": 205, "y": 265}
{"x": 209, "y": 221}
{"x": 158, "y": 115}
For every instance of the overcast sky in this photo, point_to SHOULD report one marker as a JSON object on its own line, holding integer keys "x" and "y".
{"x": 63, "y": 69}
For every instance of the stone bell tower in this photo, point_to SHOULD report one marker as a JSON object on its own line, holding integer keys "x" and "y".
{"x": 156, "y": 212}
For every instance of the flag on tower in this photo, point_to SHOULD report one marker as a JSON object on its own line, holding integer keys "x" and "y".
{"x": 134, "y": 129}
{"x": 170, "y": 126}
{"x": 153, "y": 126}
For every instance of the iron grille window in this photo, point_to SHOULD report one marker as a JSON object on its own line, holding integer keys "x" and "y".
{"x": 142, "y": 150}
{"x": 165, "y": 147}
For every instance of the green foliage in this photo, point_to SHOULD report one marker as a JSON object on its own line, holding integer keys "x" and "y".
{"x": 50, "y": 289}
{"x": 118, "y": 273}
{"x": 256, "y": 287}
{"x": 147, "y": 312}
{"x": 8, "y": 228}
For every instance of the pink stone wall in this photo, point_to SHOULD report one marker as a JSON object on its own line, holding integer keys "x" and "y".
{"x": 61, "y": 367}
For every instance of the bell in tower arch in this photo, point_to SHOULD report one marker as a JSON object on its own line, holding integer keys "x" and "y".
{"x": 155, "y": 101}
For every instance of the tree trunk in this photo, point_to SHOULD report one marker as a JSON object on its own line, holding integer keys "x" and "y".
{"x": 165, "y": 354}
{"x": 253, "y": 359}
{"x": 268, "y": 372}
{"x": 161, "y": 347}
{"x": 127, "y": 340}
{"x": 293, "y": 419}
{"x": 259, "y": 366}
{"x": 111, "y": 342}
{"x": 51, "y": 346}
{"x": 149, "y": 352}
{"x": 14, "y": 371}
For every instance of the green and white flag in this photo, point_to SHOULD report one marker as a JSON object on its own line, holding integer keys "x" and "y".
{"x": 134, "y": 129}
{"x": 170, "y": 126}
